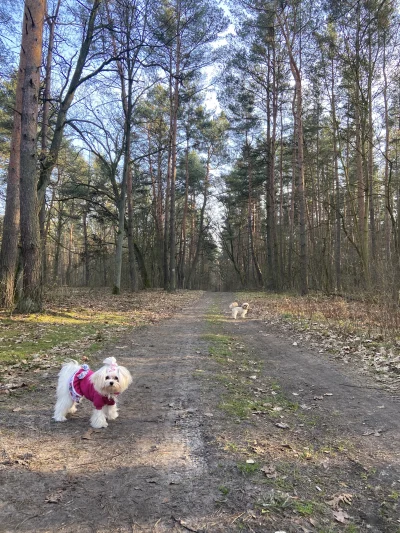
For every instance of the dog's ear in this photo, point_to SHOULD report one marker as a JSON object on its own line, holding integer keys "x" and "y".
{"x": 98, "y": 378}
{"x": 125, "y": 378}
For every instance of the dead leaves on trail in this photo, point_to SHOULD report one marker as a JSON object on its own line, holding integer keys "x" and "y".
{"x": 338, "y": 513}
{"x": 155, "y": 303}
{"x": 75, "y": 323}
{"x": 345, "y": 498}
{"x": 362, "y": 333}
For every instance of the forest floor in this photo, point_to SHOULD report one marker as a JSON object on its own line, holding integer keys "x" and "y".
{"x": 258, "y": 424}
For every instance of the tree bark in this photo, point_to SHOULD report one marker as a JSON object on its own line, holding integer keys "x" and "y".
{"x": 201, "y": 225}
{"x": 51, "y": 22}
{"x": 256, "y": 266}
{"x": 11, "y": 223}
{"x": 31, "y": 300}
{"x": 120, "y": 236}
{"x": 184, "y": 220}
{"x": 172, "y": 231}
{"x": 298, "y": 111}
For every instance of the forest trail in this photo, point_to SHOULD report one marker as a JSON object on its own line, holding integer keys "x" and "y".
{"x": 228, "y": 426}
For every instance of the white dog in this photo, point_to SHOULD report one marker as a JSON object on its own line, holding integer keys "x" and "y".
{"x": 102, "y": 387}
{"x": 239, "y": 310}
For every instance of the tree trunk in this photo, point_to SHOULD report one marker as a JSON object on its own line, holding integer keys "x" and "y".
{"x": 57, "y": 252}
{"x": 371, "y": 162}
{"x": 301, "y": 184}
{"x": 70, "y": 249}
{"x": 272, "y": 113}
{"x": 32, "y": 35}
{"x": 362, "y": 184}
{"x": 292, "y": 204}
{"x": 157, "y": 188}
{"x": 388, "y": 208}
{"x": 172, "y": 231}
{"x": 51, "y": 21}
{"x": 338, "y": 242}
{"x": 131, "y": 243}
{"x": 184, "y": 220}
{"x": 11, "y": 228}
{"x": 120, "y": 237}
{"x": 127, "y": 105}
{"x": 299, "y": 143}
{"x": 86, "y": 246}
{"x": 258, "y": 273}
{"x": 201, "y": 225}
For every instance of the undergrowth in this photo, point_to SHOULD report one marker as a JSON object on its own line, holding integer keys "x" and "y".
{"x": 347, "y": 316}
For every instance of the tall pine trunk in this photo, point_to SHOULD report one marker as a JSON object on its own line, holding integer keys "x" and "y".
{"x": 172, "y": 222}
{"x": 299, "y": 144}
{"x": 32, "y": 35}
{"x": 51, "y": 22}
{"x": 11, "y": 227}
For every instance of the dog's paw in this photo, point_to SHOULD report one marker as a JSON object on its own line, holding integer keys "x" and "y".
{"x": 98, "y": 420}
{"x": 99, "y": 425}
{"x": 112, "y": 416}
{"x": 60, "y": 418}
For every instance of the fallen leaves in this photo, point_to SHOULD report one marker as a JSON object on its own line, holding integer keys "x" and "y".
{"x": 360, "y": 332}
{"x": 374, "y": 432}
{"x": 54, "y": 497}
{"x": 339, "y": 514}
{"x": 72, "y": 323}
{"x": 345, "y": 498}
{"x": 87, "y": 435}
{"x": 282, "y": 425}
{"x": 269, "y": 471}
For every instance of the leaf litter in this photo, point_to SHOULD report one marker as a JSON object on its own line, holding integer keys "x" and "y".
{"x": 361, "y": 333}
{"x": 111, "y": 315}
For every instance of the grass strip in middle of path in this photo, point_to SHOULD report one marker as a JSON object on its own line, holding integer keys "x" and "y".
{"x": 278, "y": 466}
{"x": 239, "y": 372}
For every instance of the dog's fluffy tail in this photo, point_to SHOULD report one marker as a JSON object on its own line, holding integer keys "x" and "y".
{"x": 233, "y": 304}
{"x": 67, "y": 370}
{"x": 69, "y": 367}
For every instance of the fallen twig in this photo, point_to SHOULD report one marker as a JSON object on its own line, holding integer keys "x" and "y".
{"x": 27, "y": 518}
{"x": 179, "y": 521}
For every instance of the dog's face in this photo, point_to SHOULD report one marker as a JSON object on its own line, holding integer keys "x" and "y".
{"x": 110, "y": 380}
{"x": 245, "y": 306}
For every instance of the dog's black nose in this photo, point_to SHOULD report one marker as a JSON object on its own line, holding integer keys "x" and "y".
{"x": 111, "y": 383}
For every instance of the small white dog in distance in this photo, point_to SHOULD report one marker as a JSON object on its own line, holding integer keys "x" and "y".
{"x": 102, "y": 388}
{"x": 240, "y": 310}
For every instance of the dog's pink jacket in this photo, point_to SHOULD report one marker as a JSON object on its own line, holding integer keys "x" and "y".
{"x": 84, "y": 387}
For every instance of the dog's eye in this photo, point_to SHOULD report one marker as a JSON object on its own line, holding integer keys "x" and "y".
{"x": 107, "y": 377}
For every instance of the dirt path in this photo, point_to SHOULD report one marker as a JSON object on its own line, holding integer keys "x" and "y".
{"x": 226, "y": 427}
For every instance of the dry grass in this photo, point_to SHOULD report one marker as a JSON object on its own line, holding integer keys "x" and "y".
{"x": 77, "y": 322}
{"x": 347, "y": 316}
